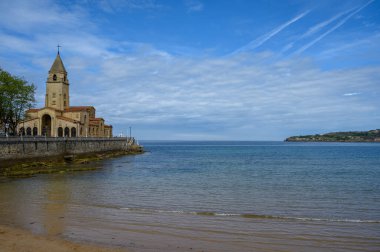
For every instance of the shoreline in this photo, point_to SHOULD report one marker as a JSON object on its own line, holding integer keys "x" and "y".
{"x": 15, "y": 239}
{"x": 18, "y": 168}
{"x": 329, "y": 141}
{"x": 347, "y": 136}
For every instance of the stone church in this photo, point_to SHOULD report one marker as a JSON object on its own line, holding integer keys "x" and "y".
{"x": 58, "y": 118}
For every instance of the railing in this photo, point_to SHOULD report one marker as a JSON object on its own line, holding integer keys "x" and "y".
{"x": 4, "y": 139}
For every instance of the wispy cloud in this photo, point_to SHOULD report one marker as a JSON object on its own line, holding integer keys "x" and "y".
{"x": 339, "y": 24}
{"x": 369, "y": 43}
{"x": 261, "y": 40}
{"x": 314, "y": 29}
{"x": 351, "y": 94}
{"x": 311, "y": 31}
{"x": 194, "y": 5}
{"x": 119, "y": 5}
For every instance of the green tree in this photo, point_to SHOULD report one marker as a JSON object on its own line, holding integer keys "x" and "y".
{"x": 16, "y": 96}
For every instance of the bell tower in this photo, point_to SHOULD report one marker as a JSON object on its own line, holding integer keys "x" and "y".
{"x": 57, "y": 86}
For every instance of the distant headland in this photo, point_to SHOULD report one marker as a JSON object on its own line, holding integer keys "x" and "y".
{"x": 350, "y": 136}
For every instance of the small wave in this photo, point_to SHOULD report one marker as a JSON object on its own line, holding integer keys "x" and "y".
{"x": 246, "y": 215}
{"x": 331, "y": 220}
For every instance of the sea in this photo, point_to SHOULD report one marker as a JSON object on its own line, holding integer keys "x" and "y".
{"x": 210, "y": 196}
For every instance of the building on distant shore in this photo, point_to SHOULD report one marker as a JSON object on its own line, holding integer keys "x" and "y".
{"x": 58, "y": 118}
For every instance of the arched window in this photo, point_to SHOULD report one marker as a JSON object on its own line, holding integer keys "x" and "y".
{"x": 46, "y": 125}
{"x": 67, "y": 132}
{"x": 35, "y": 131}
{"x": 73, "y": 132}
{"x": 60, "y": 132}
{"x": 29, "y": 131}
{"x": 54, "y": 77}
{"x": 22, "y": 131}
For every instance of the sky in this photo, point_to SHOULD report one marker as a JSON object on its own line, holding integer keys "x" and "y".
{"x": 205, "y": 70}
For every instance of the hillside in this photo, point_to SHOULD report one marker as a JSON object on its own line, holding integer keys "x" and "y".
{"x": 350, "y": 136}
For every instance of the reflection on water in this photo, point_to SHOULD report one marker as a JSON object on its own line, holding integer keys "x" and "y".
{"x": 53, "y": 211}
{"x": 39, "y": 205}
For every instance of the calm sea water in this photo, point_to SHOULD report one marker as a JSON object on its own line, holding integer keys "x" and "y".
{"x": 211, "y": 196}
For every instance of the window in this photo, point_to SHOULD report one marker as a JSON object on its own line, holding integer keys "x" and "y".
{"x": 54, "y": 77}
{"x": 53, "y": 95}
{"x": 53, "y": 102}
{"x": 64, "y": 96}
{"x": 64, "y": 103}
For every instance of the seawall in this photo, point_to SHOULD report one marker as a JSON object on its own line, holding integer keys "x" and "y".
{"x": 31, "y": 147}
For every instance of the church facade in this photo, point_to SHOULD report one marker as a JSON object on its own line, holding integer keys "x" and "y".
{"x": 58, "y": 118}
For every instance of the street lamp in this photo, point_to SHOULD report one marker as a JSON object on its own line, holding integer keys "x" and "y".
{"x": 6, "y": 129}
{"x": 130, "y": 132}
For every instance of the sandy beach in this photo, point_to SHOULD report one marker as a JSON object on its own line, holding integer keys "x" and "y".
{"x": 13, "y": 239}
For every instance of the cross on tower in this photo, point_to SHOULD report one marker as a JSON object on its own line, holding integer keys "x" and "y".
{"x": 58, "y": 46}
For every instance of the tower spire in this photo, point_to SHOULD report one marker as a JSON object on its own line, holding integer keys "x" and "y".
{"x": 58, "y": 66}
{"x": 58, "y": 46}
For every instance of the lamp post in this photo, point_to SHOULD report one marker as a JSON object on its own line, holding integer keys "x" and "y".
{"x": 6, "y": 129}
{"x": 130, "y": 132}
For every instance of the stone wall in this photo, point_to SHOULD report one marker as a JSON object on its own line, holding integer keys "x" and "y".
{"x": 30, "y": 147}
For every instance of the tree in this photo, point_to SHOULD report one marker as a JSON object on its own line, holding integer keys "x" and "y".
{"x": 16, "y": 96}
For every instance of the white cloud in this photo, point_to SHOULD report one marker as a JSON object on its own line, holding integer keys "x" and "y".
{"x": 41, "y": 16}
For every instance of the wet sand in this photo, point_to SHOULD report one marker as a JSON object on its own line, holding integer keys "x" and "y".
{"x": 13, "y": 239}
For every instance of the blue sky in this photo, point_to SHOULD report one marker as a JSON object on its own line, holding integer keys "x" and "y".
{"x": 205, "y": 70}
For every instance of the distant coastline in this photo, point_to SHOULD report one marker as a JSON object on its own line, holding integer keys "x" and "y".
{"x": 350, "y": 136}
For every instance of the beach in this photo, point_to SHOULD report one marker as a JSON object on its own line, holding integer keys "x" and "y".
{"x": 19, "y": 240}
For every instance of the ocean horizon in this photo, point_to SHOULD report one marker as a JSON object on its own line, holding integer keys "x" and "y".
{"x": 210, "y": 196}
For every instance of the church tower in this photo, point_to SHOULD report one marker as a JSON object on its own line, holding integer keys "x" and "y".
{"x": 57, "y": 86}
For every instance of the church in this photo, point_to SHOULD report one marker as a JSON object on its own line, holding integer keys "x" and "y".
{"x": 58, "y": 118}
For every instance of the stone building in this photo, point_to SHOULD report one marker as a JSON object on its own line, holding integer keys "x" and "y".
{"x": 58, "y": 118}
